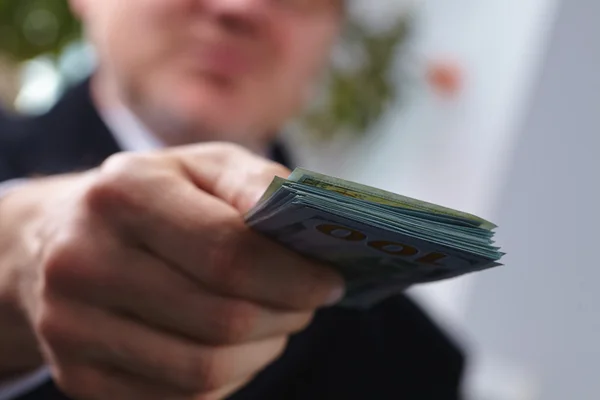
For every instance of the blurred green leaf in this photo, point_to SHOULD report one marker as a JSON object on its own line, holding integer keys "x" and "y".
{"x": 29, "y": 28}
{"x": 356, "y": 98}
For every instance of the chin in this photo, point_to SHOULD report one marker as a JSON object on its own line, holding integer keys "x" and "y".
{"x": 220, "y": 117}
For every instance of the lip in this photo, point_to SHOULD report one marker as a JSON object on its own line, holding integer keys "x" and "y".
{"x": 226, "y": 61}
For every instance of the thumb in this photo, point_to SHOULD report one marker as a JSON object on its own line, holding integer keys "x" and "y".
{"x": 230, "y": 172}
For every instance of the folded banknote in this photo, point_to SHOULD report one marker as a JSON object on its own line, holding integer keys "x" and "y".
{"x": 381, "y": 242}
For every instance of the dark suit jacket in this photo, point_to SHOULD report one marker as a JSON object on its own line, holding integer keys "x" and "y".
{"x": 392, "y": 351}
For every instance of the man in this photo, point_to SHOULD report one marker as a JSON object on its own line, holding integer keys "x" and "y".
{"x": 133, "y": 276}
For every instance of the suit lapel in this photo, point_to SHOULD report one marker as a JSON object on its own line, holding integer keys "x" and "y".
{"x": 70, "y": 137}
{"x": 73, "y": 137}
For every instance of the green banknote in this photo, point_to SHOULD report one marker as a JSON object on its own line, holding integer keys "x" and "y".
{"x": 381, "y": 242}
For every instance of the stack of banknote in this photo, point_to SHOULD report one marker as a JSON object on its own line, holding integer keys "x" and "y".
{"x": 381, "y": 242}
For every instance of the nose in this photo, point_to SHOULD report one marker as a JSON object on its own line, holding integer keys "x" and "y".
{"x": 245, "y": 17}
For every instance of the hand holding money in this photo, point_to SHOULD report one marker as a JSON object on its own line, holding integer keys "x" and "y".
{"x": 379, "y": 241}
{"x": 141, "y": 280}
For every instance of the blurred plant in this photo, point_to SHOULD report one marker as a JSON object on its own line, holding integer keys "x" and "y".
{"x": 358, "y": 88}
{"x": 354, "y": 95}
{"x": 29, "y": 28}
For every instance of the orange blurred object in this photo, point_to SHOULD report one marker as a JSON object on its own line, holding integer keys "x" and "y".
{"x": 446, "y": 77}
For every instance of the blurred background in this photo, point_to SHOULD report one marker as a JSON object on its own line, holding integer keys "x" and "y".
{"x": 488, "y": 106}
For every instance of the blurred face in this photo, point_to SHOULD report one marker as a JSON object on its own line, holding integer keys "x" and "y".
{"x": 226, "y": 69}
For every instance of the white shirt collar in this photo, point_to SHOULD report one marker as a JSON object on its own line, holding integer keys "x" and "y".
{"x": 129, "y": 132}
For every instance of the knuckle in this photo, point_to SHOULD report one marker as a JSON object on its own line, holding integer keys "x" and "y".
{"x": 106, "y": 192}
{"x": 304, "y": 298}
{"x": 317, "y": 286}
{"x": 220, "y": 152}
{"x": 49, "y": 325}
{"x": 124, "y": 162}
{"x": 69, "y": 267}
{"x": 228, "y": 260}
{"x": 227, "y": 149}
{"x": 62, "y": 256}
{"x": 117, "y": 182}
{"x": 235, "y": 323}
{"x": 80, "y": 382}
{"x": 59, "y": 330}
{"x": 316, "y": 294}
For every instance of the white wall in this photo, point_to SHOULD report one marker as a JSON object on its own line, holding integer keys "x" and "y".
{"x": 542, "y": 312}
{"x": 458, "y": 152}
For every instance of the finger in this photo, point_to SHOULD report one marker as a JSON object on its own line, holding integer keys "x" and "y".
{"x": 208, "y": 240}
{"x": 133, "y": 282}
{"x": 205, "y": 237}
{"x": 230, "y": 172}
{"x": 230, "y": 259}
{"x": 94, "y": 336}
{"x": 86, "y": 382}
